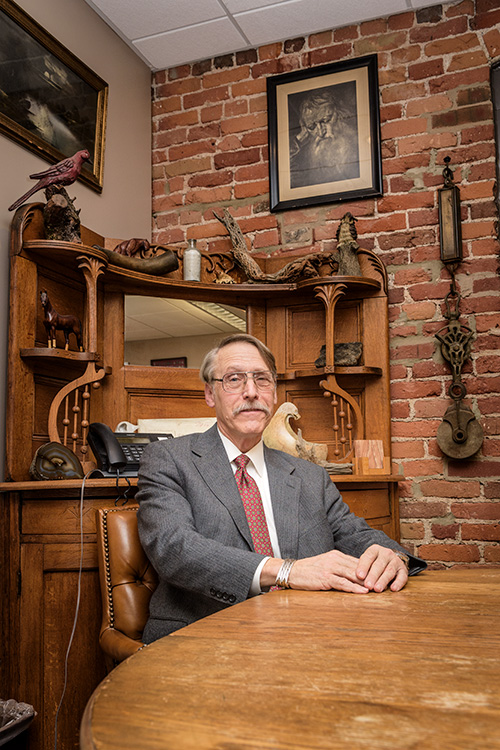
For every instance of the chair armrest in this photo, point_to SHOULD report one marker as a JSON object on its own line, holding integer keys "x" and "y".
{"x": 117, "y": 646}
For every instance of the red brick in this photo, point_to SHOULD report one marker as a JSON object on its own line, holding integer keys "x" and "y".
{"x": 339, "y": 35}
{"x": 393, "y": 75}
{"x": 451, "y": 81}
{"x": 403, "y": 331}
{"x": 406, "y": 54}
{"x": 249, "y": 88}
{"x": 400, "y": 92}
{"x": 168, "y": 104}
{"x": 211, "y": 179}
{"x": 168, "y": 138}
{"x": 450, "y": 552}
{"x": 432, "y": 407}
{"x": 400, "y": 410}
{"x": 451, "y": 45}
{"x": 211, "y": 113}
{"x": 473, "y": 468}
{"x": 416, "y": 351}
{"x": 492, "y": 554}
{"x": 484, "y": 511}
{"x": 244, "y": 123}
{"x": 253, "y": 172}
{"x": 177, "y": 88}
{"x": 423, "y": 468}
{"x": 427, "y": 69}
{"x": 237, "y": 158}
{"x": 445, "y": 531}
{"x": 419, "y": 143}
{"x": 412, "y": 530}
{"x": 401, "y": 21}
{"x": 170, "y": 236}
{"x": 483, "y": 20}
{"x": 181, "y": 71}
{"x": 208, "y": 96}
{"x": 190, "y": 149}
{"x": 220, "y": 78}
{"x": 423, "y": 509}
{"x": 451, "y": 28}
{"x": 389, "y": 41}
{"x": 492, "y": 42}
{"x": 436, "y": 103}
{"x": 187, "y": 166}
{"x": 251, "y": 189}
{"x": 257, "y": 223}
{"x": 445, "y": 488}
{"x": 177, "y": 120}
{"x": 329, "y": 54}
{"x": 481, "y": 532}
{"x": 408, "y": 449}
{"x": 210, "y": 195}
{"x": 421, "y": 429}
{"x": 420, "y": 310}
{"x": 429, "y": 369}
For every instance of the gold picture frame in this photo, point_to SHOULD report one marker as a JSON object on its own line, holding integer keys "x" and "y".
{"x": 51, "y": 103}
{"x": 324, "y": 134}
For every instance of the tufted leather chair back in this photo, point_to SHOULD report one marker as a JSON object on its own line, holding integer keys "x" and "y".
{"x": 127, "y": 582}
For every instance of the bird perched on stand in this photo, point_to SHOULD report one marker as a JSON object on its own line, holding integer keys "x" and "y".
{"x": 65, "y": 172}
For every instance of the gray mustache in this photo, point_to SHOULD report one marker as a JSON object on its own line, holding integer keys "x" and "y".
{"x": 251, "y": 406}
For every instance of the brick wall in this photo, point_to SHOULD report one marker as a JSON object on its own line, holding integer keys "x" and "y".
{"x": 210, "y": 150}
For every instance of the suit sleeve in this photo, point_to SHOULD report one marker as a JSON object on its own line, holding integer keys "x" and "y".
{"x": 352, "y": 535}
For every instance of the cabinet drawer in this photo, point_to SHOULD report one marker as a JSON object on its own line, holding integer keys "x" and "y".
{"x": 368, "y": 502}
{"x": 60, "y": 516}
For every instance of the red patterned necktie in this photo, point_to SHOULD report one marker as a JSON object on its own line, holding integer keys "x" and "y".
{"x": 252, "y": 502}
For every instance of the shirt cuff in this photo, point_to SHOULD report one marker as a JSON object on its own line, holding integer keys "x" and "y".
{"x": 255, "y": 587}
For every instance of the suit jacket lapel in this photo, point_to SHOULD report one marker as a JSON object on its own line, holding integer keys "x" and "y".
{"x": 211, "y": 461}
{"x": 285, "y": 497}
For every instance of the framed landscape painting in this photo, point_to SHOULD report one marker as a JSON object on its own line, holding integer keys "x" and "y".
{"x": 324, "y": 134}
{"x": 50, "y": 101}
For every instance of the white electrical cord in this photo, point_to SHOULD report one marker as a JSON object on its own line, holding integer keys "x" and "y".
{"x": 77, "y": 608}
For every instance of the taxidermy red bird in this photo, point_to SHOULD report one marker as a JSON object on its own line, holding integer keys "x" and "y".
{"x": 65, "y": 172}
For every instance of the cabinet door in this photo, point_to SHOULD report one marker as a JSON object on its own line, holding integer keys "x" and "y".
{"x": 51, "y": 588}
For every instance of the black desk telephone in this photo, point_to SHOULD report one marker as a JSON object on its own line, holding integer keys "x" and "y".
{"x": 118, "y": 451}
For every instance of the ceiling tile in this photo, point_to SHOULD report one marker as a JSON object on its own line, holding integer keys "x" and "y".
{"x": 237, "y": 6}
{"x": 300, "y": 17}
{"x": 137, "y": 19}
{"x": 192, "y": 43}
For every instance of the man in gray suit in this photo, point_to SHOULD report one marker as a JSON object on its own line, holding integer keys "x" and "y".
{"x": 199, "y": 532}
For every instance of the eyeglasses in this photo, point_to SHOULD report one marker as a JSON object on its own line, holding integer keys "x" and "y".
{"x": 235, "y": 382}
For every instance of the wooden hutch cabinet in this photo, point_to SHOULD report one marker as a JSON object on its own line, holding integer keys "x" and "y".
{"x": 53, "y": 395}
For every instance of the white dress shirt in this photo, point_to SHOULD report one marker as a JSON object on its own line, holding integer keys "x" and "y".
{"x": 257, "y": 469}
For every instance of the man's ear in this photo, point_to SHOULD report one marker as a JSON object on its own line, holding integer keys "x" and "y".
{"x": 209, "y": 395}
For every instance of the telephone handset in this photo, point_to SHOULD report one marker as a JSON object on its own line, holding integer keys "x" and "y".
{"x": 118, "y": 452}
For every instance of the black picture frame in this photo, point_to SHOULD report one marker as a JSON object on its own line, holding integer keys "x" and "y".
{"x": 51, "y": 103}
{"x": 324, "y": 134}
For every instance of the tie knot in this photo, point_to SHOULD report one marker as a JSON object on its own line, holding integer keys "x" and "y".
{"x": 241, "y": 461}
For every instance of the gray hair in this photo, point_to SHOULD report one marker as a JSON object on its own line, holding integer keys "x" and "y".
{"x": 207, "y": 369}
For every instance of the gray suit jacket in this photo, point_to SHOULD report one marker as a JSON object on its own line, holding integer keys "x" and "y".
{"x": 194, "y": 530}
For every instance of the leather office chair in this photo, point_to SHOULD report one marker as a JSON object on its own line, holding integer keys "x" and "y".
{"x": 127, "y": 581}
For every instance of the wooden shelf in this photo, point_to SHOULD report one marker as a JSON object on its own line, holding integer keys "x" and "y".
{"x": 315, "y": 372}
{"x": 72, "y": 361}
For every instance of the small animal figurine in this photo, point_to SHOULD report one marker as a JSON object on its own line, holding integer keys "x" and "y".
{"x": 65, "y": 172}
{"x": 53, "y": 322}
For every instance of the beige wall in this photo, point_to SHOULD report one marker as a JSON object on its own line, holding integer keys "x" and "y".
{"x": 124, "y": 207}
{"x": 193, "y": 348}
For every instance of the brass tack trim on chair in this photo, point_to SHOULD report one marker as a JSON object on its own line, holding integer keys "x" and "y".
{"x": 107, "y": 566}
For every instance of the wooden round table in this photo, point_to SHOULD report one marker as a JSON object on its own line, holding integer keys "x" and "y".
{"x": 302, "y": 670}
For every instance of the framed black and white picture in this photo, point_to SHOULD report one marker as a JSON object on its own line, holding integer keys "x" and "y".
{"x": 50, "y": 101}
{"x": 324, "y": 134}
